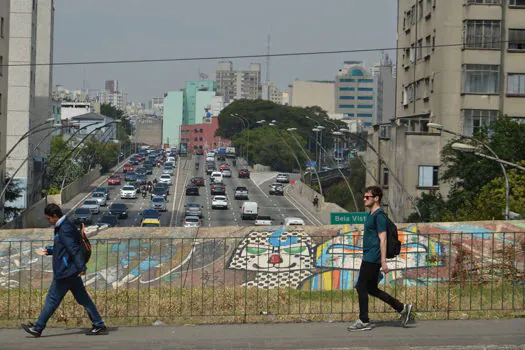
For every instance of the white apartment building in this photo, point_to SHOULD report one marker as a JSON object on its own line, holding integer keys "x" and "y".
{"x": 73, "y": 109}
{"x": 236, "y": 85}
{"x": 29, "y": 100}
{"x": 385, "y": 90}
{"x": 4, "y": 56}
{"x": 313, "y": 93}
{"x": 460, "y": 64}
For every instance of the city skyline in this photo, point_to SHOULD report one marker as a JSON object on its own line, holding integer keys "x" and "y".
{"x": 216, "y": 31}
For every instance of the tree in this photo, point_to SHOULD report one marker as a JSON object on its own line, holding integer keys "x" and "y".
{"x": 12, "y": 193}
{"x": 124, "y": 128}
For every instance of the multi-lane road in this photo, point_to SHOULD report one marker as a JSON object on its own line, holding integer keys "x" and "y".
{"x": 277, "y": 207}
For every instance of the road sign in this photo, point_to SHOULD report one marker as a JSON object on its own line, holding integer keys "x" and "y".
{"x": 347, "y": 218}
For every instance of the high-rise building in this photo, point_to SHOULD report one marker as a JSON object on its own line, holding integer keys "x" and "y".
{"x": 385, "y": 89}
{"x": 29, "y": 100}
{"x": 111, "y": 86}
{"x": 354, "y": 93}
{"x": 270, "y": 92}
{"x": 459, "y": 64}
{"x": 172, "y": 117}
{"x": 197, "y": 96}
{"x": 236, "y": 85}
{"x": 4, "y": 74}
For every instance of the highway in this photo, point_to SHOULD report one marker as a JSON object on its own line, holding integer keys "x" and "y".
{"x": 277, "y": 207}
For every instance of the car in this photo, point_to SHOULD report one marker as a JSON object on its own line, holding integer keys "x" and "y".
{"x": 128, "y": 191}
{"x": 263, "y": 220}
{"x": 141, "y": 171}
{"x": 114, "y": 180}
{"x": 139, "y": 157}
{"x": 165, "y": 178}
{"x": 128, "y": 167}
{"x": 168, "y": 170}
{"x": 219, "y": 202}
{"x": 102, "y": 189}
{"x": 210, "y": 154}
{"x": 142, "y": 179}
{"x": 243, "y": 174}
{"x": 192, "y": 190}
{"x": 241, "y": 193}
{"x": 158, "y": 203}
{"x": 226, "y": 172}
{"x": 148, "y": 167}
{"x": 83, "y": 216}
{"x": 293, "y": 221}
{"x": 134, "y": 161}
{"x": 197, "y": 181}
{"x": 218, "y": 188}
{"x": 193, "y": 209}
{"x": 283, "y": 178}
{"x": 150, "y": 223}
{"x": 277, "y": 189}
{"x": 91, "y": 204}
{"x": 216, "y": 176}
{"x": 192, "y": 221}
{"x": 150, "y": 214}
{"x": 120, "y": 210}
{"x": 221, "y": 158}
{"x": 108, "y": 220}
{"x": 159, "y": 192}
{"x": 224, "y": 166}
{"x": 210, "y": 170}
{"x": 131, "y": 176}
{"x": 249, "y": 210}
{"x": 164, "y": 186}
{"x": 100, "y": 197}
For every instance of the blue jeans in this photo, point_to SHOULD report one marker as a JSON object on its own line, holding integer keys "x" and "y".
{"x": 57, "y": 291}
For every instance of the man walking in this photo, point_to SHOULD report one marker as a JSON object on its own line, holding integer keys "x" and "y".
{"x": 374, "y": 259}
{"x": 68, "y": 266}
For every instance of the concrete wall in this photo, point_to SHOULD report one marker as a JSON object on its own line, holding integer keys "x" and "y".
{"x": 4, "y": 54}
{"x": 33, "y": 217}
{"x": 79, "y": 185}
{"x": 149, "y": 131}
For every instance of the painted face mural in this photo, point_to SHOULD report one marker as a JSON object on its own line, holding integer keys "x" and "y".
{"x": 280, "y": 258}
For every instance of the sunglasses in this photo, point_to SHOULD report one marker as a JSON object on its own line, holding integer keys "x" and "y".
{"x": 368, "y": 197}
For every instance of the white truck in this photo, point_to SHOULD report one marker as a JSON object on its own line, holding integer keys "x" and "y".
{"x": 230, "y": 151}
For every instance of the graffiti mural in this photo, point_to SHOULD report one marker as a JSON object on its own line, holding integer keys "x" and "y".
{"x": 280, "y": 258}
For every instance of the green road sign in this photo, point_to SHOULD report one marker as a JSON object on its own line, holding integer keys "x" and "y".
{"x": 347, "y": 218}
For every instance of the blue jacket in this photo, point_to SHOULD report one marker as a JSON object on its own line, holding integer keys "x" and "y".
{"x": 67, "y": 257}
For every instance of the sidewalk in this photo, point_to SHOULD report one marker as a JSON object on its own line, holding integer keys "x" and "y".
{"x": 452, "y": 334}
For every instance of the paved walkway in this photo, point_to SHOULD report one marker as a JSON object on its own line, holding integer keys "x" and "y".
{"x": 453, "y": 334}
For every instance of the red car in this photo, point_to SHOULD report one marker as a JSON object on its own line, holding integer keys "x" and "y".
{"x": 128, "y": 167}
{"x": 197, "y": 181}
{"x": 139, "y": 158}
{"x": 114, "y": 180}
{"x": 199, "y": 152}
{"x": 244, "y": 173}
{"x": 224, "y": 166}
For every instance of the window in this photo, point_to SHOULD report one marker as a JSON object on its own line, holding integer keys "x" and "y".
{"x": 365, "y": 106}
{"x": 419, "y": 93}
{"x": 475, "y": 119}
{"x": 412, "y": 53}
{"x": 480, "y": 79}
{"x": 0, "y": 103}
{"x": 346, "y": 89}
{"x": 517, "y": 3}
{"x": 346, "y": 97}
{"x": 365, "y": 97}
{"x": 366, "y": 80}
{"x": 385, "y": 176}
{"x": 426, "y": 94}
{"x": 429, "y": 5}
{"x": 482, "y": 34}
{"x": 365, "y": 89}
{"x": 517, "y": 39}
{"x": 347, "y": 80}
{"x": 385, "y": 131}
{"x": 1, "y": 66}
{"x": 364, "y": 115}
{"x": 428, "y": 44}
{"x": 420, "y": 9}
{"x": 516, "y": 84}
{"x": 2, "y": 24}
{"x": 410, "y": 92}
{"x": 428, "y": 176}
{"x": 346, "y": 106}
{"x": 420, "y": 49}
{"x": 483, "y": 2}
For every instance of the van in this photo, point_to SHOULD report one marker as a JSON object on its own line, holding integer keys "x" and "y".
{"x": 291, "y": 221}
{"x": 216, "y": 176}
{"x": 249, "y": 210}
{"x": 170, "y": 159}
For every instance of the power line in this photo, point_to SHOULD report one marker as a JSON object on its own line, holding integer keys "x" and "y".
{"x": 214, "y": 58}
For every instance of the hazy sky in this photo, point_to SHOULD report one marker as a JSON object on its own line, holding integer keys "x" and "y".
{"x": 147, "y": 29}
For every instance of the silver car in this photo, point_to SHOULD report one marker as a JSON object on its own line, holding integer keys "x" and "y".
{"x": 92, "y": 204}
{"x": 193, "y": 209}
{"x": 158, "y": 203}
{"x": 100, "y": 197}
{"x": 283, "y": 178}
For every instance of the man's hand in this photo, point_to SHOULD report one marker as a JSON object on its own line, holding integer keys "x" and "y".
{"x": 384, "y": 266}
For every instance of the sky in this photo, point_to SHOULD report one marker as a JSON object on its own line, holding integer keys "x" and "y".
{"x": 101, "y": 30}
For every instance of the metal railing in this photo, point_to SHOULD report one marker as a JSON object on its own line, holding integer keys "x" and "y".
{"x": 275, "y": 274}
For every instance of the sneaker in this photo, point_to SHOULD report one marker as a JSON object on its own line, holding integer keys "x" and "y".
{"x": 406, "y": 314}
{"x": 96, "y": 330}
{"x": 30, "y": 328}
{"x": 360, "y": 326}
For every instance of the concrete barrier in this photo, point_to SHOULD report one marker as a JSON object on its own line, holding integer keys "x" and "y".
{"x": 79, "y": 185}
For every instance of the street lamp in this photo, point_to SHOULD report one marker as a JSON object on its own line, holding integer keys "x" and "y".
{"x": 307, "y": 157}
{"x": 337, "y": 133}
{"x": 495, "y": 156}
{"x": 245, "y": 126}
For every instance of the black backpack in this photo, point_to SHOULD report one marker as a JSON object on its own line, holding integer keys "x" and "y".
{"x": 393, "y": 244}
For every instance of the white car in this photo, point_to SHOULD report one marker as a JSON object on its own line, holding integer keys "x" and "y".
{"x": 263, "y": 221}
{"x": 216, "y": 176}
{"x": 128, "y": 192}
{"x": 282, "y": 178}
{"x": 293, "y": 221}
{"x": 227, "y": 172}
{"x": 165, "y": 178}
{"x": 168, "y": 170}
{"x": 219, "y": 202}
{"x": 191, "y": 221}
{"x": 100, "y": 197}
{"x": 92, "y": 204}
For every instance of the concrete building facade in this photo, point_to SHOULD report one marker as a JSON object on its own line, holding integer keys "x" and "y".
{"x": 236, "y": 85}
{"x": 270, "y": 92}
{"x": 72, "y": 109}
{"x": 313, "y": 93}
{"x": 201, "y": 137}
{"x": 4, "y": 75}
{"x": 461, "y": 87}
{"x": 172, "y": 118}
{"x": 148, "y": 131}
{"x": 385, "y": 90}
{"x": 197, "y": 94}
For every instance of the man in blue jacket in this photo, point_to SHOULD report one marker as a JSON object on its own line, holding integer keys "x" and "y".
{"x": 68, "y": 266}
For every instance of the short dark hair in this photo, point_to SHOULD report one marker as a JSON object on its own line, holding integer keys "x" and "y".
{"x": 376, "y": 191}
{"x": 53, "y": 210}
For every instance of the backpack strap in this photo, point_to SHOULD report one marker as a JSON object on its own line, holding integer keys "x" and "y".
{"x": 375, "y": 219}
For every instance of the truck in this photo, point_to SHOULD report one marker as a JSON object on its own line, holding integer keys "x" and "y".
{"x": 230, "y": 152}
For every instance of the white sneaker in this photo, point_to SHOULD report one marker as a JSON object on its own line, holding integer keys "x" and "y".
{"x": 360, "y": 326}
{"x": 405, "y": 314}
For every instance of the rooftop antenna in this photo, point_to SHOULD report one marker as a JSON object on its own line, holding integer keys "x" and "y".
{"x": 268, "y": 59}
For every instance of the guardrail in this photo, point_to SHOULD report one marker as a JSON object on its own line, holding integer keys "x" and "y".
{"x": 271, "y": 275}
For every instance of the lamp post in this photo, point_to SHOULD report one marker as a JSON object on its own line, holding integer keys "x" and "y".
{"x": 31, "y": 131}
{"x": 496, "y": 158}
{"x": 337, "y": 145}
{"x": 245, "y": 126}
{"x": 307, "y": 157}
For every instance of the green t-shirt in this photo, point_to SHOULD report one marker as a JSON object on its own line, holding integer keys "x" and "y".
{"x": 371, "y": 243}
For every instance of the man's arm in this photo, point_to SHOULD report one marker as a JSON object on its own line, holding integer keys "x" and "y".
{"x": 73, "y": 248}
{"x": 382, "y": 242}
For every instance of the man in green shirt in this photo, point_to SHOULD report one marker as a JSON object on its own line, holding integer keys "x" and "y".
{"x": 374, "y": 259}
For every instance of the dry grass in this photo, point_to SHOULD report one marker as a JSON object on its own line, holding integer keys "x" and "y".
{"x": 241, "y": 305}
